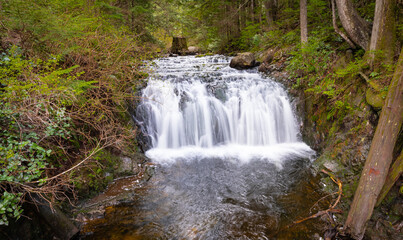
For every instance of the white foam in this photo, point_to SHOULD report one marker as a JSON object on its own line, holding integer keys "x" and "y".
{"x": 276, "y": 154}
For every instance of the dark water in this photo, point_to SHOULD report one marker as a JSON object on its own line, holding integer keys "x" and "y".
{"x": 216, "y": 199}
{"x": 252, "y": 184}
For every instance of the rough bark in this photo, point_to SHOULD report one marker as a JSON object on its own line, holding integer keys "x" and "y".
{"x": 336, "y": 28}
{"x": 179, "y": 45}
{"x": 358, "y": 30}
{"x": 303, "y": 21}
{"x": 394, "y": 173}
{"x": 379, "y": 158}
{"x": 383, "y": 32}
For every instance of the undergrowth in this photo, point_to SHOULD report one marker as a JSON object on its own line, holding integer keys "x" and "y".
{"x": 67, "y": 74}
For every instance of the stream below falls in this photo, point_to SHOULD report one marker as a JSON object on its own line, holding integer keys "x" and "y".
{"x": 228, "y": 159}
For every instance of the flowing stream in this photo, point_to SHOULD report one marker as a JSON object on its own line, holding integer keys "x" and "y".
{"x": 229, "y": 162}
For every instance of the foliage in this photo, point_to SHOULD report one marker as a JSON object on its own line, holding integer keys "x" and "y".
{"x": 250, "y": 36}
{"x": 311, "y": 62}
{"x": 9, "y": 207}
{"x": 67, "y": 70}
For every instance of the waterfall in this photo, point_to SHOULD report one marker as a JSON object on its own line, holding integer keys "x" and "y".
{"x": 201, "y": 105}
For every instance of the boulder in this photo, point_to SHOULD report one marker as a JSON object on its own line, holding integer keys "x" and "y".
{"x": 268, "y": 56}
{"x": 243, "y": 61}
{"x": 192, "y": 50}
{"x": 374, "y": 99}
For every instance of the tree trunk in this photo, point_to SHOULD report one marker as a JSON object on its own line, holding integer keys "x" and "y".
{"x": 270, "y": 7}
{"x": 336, "y": 28}
{"x": 383, "y": 32}
{"x": 303, "y": 21}
{"x": 179, "y": 45}
{"x": 356, "y": 27}
{"x": 394, "y": 173}
{"x": 376, "y": 167}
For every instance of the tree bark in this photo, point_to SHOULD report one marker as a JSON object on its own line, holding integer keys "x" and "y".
{"x": 336, "y": 28}
{"x": 303, "y": 21}
{"x": 179, "y": 45}
{"x": 383, "y": 32}
{"x": 358, "y": 30}
{"x": 394, "y": 173}
{"x": 376, "y": 167}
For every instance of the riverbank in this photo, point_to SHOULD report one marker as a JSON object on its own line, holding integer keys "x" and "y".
{"x": 340, "y": 112}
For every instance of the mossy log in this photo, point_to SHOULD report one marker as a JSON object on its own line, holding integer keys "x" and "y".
{"x": 394, "y": 173}
{"x": 179, "y": 45}
{"x": 380, "y": 157}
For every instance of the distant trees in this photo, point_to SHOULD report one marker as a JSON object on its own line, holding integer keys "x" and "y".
{"x": 270, "y": 8}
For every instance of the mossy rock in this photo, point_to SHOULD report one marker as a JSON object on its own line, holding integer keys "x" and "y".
{"x": 374, "y": 99}
{"x": 343, "y": 61}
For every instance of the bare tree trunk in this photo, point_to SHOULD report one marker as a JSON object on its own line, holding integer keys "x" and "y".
{"x": 394, "y": 173}
{"x": 383, "y": 32}
{"x": 336, "y": 28}
{"x": 376, "y": 167}
{"x": 303, "y": 21}
{"x": 270, "y": 6}
{"x": 356, "y": 27}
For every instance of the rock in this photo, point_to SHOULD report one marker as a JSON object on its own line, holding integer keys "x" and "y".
{"x": 269, "y": 56}
{"x": 192, "y": 50}
{"x": 332, "y": 166}
{"x": 374, "y": 99}
{"x": 263, "y": 68}
{"x": 243, "y": 61}
{"x": 343, "y": 61}
{"x": 57, "y": 220}
{"x": 126, "y": 164}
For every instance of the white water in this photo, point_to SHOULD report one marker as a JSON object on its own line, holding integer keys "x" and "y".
{"x": 199, "y": 107}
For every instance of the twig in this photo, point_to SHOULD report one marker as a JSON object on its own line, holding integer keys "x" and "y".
{"x": 364, "y": 76}
{"x": 97, "y": 149}
{"x": 331, "y": 209}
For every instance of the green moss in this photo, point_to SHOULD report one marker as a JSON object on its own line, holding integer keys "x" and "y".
{"x": 374, "y": 99}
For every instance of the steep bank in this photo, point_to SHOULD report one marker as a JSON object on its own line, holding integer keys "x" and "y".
{"x": 340, "y": 114}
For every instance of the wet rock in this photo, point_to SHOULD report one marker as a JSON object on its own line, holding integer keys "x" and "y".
{"x": 126, "y": 164}
{"x": 243, "y": 61}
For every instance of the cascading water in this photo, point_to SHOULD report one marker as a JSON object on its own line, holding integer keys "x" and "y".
{"x": 202, "y": 107}
{"x": 229, "y": 163}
